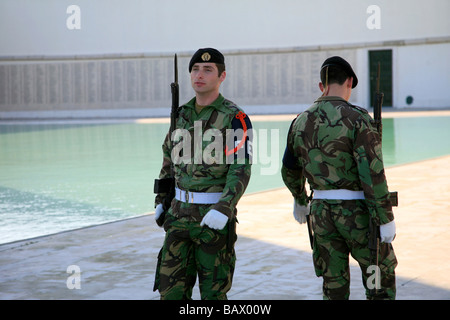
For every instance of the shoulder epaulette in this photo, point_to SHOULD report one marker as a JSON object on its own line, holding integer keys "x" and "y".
{"x": 358, "y": 108}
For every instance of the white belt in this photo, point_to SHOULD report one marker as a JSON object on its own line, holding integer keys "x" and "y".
{"x": 338, "y": 194}
{"x": 197, "y": 197}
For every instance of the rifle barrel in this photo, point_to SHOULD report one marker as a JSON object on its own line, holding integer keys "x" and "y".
{"x": 176, "y": 69}
{"x": 378, "y": 78}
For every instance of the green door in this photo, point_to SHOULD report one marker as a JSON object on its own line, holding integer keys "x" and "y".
{"x": 384, "y": 57}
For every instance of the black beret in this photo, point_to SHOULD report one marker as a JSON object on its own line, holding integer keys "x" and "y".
{"x": 206, "y": 55}
{"x": 344, "y": 65}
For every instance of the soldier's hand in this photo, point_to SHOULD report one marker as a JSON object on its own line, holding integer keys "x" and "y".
{"x": 300, "y": 212}
{"x": 214, "y": 219}
{"x": 387, "y": 232}
{"x": 158, "y": 211}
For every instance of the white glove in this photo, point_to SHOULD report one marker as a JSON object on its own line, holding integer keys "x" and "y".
{"x": 158, "y": 210}
{"x": 387, "y": 232}
{"x": 300, "y": 212}
{"x": 214, "y": 219}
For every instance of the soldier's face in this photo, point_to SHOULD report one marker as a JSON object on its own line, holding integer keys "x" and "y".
{"x": 205, "y": 77}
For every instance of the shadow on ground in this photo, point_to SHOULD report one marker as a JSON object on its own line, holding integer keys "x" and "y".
{"x": 117, "y": 261}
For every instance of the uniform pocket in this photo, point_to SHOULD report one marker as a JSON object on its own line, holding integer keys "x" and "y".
{"x": 211, "y": 240}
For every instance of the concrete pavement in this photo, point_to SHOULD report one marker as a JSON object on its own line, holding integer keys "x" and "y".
{"x": 117, "y": 260}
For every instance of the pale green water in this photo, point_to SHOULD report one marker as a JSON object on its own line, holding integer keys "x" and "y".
{"x": 57, "y": 177}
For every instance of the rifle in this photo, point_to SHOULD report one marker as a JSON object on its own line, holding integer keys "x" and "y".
{"x": 374, "y": 230}
{"x": 377, "y": 106}
{"x": 167, "y": 185}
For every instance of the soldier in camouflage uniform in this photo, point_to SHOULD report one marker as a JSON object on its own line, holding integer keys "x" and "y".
{"x": 212, "y": 166}
{"x": 335, "y": 147}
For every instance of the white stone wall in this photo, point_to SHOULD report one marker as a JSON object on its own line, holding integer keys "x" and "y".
{"x": 114, "y": 58}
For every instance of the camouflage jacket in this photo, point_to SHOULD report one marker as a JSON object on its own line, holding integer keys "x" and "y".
{"x": 199, "y": 154}
{"x": 334, "y": 145}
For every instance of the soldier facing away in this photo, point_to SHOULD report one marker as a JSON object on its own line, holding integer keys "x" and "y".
{"x": 211, "y": 165}
{"x": 335, "y": 147}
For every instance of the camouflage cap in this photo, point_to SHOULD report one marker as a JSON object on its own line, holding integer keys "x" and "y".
{"x": 206, "y": 55}
{"x": 344, "y": 65}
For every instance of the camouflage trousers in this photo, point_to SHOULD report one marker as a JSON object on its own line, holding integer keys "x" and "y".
{"x": 190, "y": 250}
{"x": 341, "y": 229}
